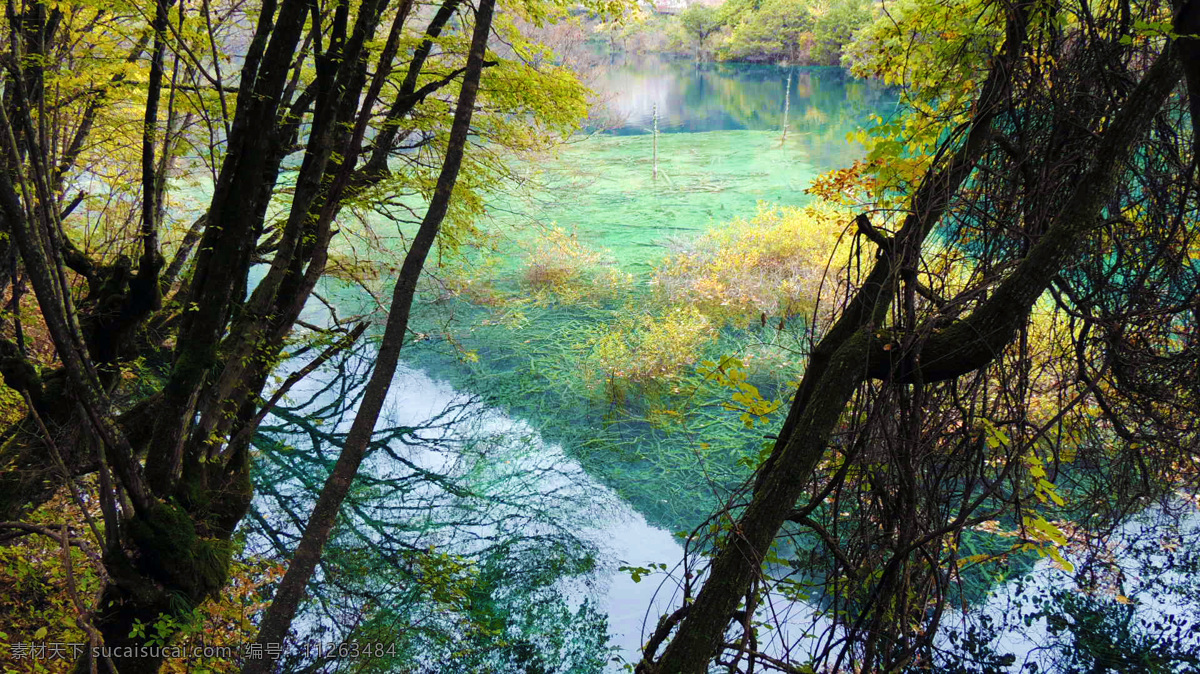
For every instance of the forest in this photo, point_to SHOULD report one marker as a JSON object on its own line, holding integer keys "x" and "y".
{"x": 788, "y": 31}
{"x": 797, "y": 32}
{"x": 479, "y": 336}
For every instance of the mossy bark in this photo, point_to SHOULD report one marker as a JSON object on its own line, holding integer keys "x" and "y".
{"x": 174, "y": 559}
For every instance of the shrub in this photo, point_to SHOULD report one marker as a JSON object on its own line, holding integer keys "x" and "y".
{"x": 562, "y": 268}
{"x": 645, "y": 350}
{"x": 768, "y": 267}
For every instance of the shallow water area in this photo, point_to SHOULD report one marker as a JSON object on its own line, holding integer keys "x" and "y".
{"x": 721, "y": 151}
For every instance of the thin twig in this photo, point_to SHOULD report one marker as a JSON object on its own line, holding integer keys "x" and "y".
{"x": 247, "y": 430}
{"x": 26, "y": 528}
{"x": 95, "y": 639}
{"x": 66, "y": 474}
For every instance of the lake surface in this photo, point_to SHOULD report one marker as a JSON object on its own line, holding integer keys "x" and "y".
{"x": 721, "y": 152}
{"x": 691, "y": 97}
{"x": 619, "y": 484}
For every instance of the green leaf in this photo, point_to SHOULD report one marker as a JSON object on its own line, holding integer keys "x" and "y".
{"x": 1057, "y": 556}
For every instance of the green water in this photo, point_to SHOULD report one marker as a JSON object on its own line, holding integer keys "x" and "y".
{"x": 721, "y": 153}
{"x": 691, "y": 97}
{"x": 604, "y": 188}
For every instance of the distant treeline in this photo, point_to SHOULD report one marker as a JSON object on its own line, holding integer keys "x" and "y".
{"x": 800, "y": 32}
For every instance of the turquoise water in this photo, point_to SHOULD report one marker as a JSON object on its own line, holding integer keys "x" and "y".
{"x": 721, "y": 151}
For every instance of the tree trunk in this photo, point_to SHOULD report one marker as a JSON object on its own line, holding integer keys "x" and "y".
{"x": 278, "y": 618}
{"x": 858, "y": 353}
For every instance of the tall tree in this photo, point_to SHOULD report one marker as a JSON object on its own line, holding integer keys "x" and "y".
{"x": 279, "y": 616}
{"x": 336, "y": 102}
{"x": 1065, "y": 168}
{"x": 778, "y": 31}
{"x": 700, "y": 22}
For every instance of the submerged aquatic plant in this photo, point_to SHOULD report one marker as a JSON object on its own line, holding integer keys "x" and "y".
{"x": 561, "y": 268}
{"x": 768, "y": 267}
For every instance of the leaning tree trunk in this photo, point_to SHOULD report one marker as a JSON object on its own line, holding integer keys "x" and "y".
{"x": 279, "y": 615}
{"x": 853, "y": 351}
